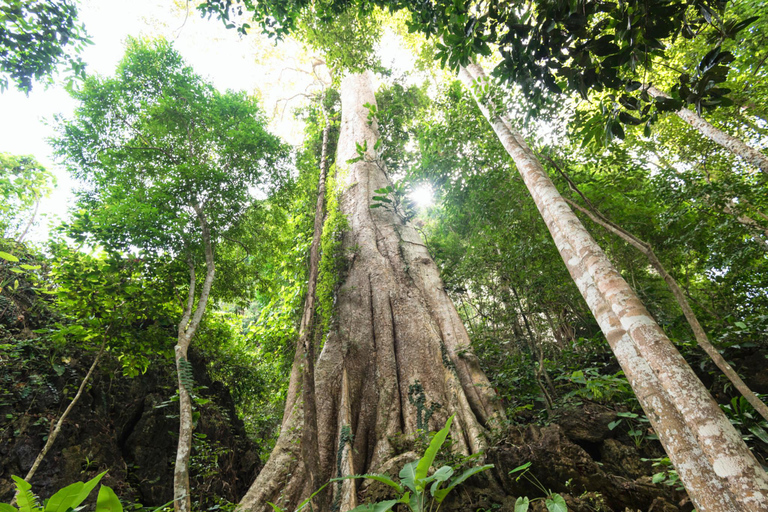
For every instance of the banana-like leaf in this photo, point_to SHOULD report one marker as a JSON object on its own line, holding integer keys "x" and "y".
{"x": 440, "y": 494}
{"x": 65, "y": 498}
{"x": 87, "y": 488}
{"x": 440, "y": 476}
{"x": 5, "y": 507}
{"x": 434, "y": 446}
{"x": 408, "y": 475}
{"x": 382, "y": 506}
{"x": 107, "y": 501}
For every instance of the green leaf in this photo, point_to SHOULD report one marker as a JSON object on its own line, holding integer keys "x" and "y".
{"x": 408, "y": 475}
{"x": 658, "y": 477}
{"x": 275, "y": 507}
{"x": 5, "y": 507}
{"x": 556, "y": 503}
{"x": 524, "y": 466}
{"x": 382, "y": 506}
{"x": 522, "y": 503}
{"x": 87, "y": 488}
{"x": 383, "y": 479}
{"x": 759, "y": 432}
{"x": 442, "y": 493}
{"x": 441, "y": 475}
{"x": 434, "y": 446}
{"x": 8, "y": 257}
{"x": 63, "y": 500}
{"x": 26, "y": 500}
{"x": 107, "y": 501}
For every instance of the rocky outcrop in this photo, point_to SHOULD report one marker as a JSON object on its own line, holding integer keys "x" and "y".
{"x": 125, "y": 425}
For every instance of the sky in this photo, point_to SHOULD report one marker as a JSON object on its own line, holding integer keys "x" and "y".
{"x": 276, "y": 74}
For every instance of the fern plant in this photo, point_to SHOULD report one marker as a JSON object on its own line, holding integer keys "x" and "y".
{"x": 67, "y": 499}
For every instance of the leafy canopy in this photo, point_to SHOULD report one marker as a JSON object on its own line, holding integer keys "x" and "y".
{"x": 36, "y": 37}
{"x": 158, "y": 147}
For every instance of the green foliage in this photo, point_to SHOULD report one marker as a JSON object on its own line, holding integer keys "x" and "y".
{"x": 333, "y": 261}
{"x": 553, "y": 501}
{"x": 36, "y": 38}
{"x": 64, "y": 500}
{"x": 23, "y": 183}
{"x": 125, "y": 302}
{"x": 159, "y": 148}
{"x": 419, "y": 490}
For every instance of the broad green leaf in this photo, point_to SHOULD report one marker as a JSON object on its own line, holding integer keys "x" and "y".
{"x": 382, "y": 506}
{"x": 441, "y": 475}
{"x": 26, "y": 500}
{"x": 63, "y": 500}
{"x": 759, "y": 432}
{"x": 434, "y": 446}
{"x": 87, "y": 488}
{"x": 385, "y": 480}
{"x": 442, "y": 493}
{"x": 556, "y": 503}
{"x": 8, "y": 257}
{"x": 408, "y": 475}
{"x": 275, "y": 507}
{"x": 522, "y": 503}
{"x": 5, "y": 507}
{"x": 107, "y": 501}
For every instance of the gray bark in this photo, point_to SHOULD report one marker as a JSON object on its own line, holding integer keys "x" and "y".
{"x": 394, "y": 326}
{"x": 731, "y": 460}
{"x": 733, "y": 144}
{"x": 188, "y": 325}
{"x": 698, "y": 331}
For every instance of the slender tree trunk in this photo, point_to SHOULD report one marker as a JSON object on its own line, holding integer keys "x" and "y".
{"x": 682, "y": 301}
{"x": 57, "y": 428}
{"x": 29, "y": 223}
{"x": 397, "y": 356}
{"x": 759, "y": 232}
{"x": 736, "y": 146}
{"x": 708, "y": 494}
{"x": 187, "y": 327}
{"x": 730, "y": 458}
{"x": 307, "y": 327}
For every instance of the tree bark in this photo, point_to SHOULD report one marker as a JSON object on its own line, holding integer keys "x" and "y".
{"x": 707, "y": 494}
{"x": 397, "y": 357}
{"x": 307, "y": 326}
{"x": 736, "y": 146}
{"x": 730, "y": 458}
{"x": 682, "y": 301}
{"x": 187, "y": 327}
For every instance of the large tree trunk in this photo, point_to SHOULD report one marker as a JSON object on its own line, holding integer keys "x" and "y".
{"x": 729, "y": 142}
{"x": 397, "y": 358}
{"x": 708, "y": 494}
{"x": 730, "y": 459}
{"x": 698, "y": 331}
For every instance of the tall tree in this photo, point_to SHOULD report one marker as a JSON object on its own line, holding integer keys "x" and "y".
{"x": 396, "y": 359}
{"x": 169, "y": 162}
{"x": 730, "y": 458}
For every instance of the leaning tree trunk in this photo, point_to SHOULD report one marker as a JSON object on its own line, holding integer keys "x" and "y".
{"x": 730, "y": 459}
{"x": 708, "y": 494}
{"x": 733, "y": 144}
{"x": 397, "y": 357}
{"x": 698, "y": 331}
